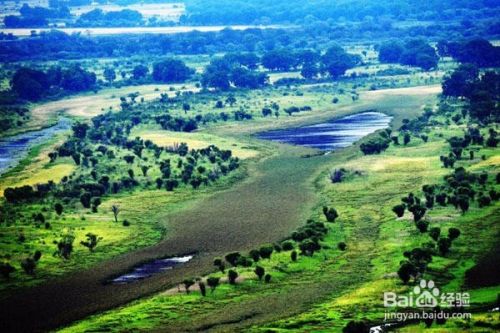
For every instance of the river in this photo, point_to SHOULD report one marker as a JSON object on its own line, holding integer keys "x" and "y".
{"x": 14, "y": 149}
{"x": 333, "y": 134}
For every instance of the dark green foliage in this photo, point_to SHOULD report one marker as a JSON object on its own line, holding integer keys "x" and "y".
{"x": 187, "y": 284}
{"x": 330, "y": 213}
{"x": 255, "y": 254}
{"x": 6, "y": 269}
{"x": 293, "y": 255}
{"x": 418, "y": 212}
{"x": 171, "y": 70}
{"x": 232, "y": 258}
{"x": 399, "y": 210}
{"x": 65, "y": 246}
{"x": 203, "y": 288}
{"x": 213, "y": 282}
{"x": 444, "y": 245}
{"x": 260, "y": 272}
{"x": 266, "y": 251}
{"x": 342, "y": 246}
{"x": 453, "y": 233}
{"x": 28, "y": 265}
{"x": 375, "y": 145}
{"x": 58, "y": 208}
{"x": 287, "y": 245}
{"x": 232, "y": 276}
{"x": 91, "y": 242}
{"x": 435, "y": 232}
{"x": 355, "y": 327}
{"x": 267, "y": 278}
{"x": 406, "y": 138}
{"x": 309, "y": 246}
{"x": 422, "y": 226}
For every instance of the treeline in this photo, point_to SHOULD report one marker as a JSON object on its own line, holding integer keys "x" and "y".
{"x": 315, "y": 36}
{"x": 99, "y": 18}
{"x": 480, "y": 90}
{"x": 32, "y": 84}
{"x": 415, "y": 52}
{"x": 478, "y": 51}
{"x": 264, "y": 11}
{"x": 32, "y": 17}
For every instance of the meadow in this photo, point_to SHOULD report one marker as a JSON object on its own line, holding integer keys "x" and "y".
{"x": 162, "y": 158}
{"x": 342, "y": 285}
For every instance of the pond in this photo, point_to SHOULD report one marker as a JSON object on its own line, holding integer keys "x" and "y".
{"x": 15, "y": 148}
{"x": 150, "y": 268}
{"x": 333, "y": 134}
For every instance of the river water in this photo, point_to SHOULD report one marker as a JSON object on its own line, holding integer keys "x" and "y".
{"x": 15, "y": 148}
{"x": 333, "y": 134}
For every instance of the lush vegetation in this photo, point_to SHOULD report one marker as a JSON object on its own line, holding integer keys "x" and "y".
{"x": 160, "y": 158}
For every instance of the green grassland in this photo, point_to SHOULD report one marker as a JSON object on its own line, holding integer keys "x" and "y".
{"x": 325, "y": 291}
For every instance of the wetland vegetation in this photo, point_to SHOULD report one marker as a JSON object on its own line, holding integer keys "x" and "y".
{"x": 277, "y": 176}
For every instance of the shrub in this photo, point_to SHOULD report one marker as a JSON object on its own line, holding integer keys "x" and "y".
{"x": 287, "y": 245}
{"x": 213, "y": 282}
{"x": 453, "y": 233}
{"x": 267, "y": 278}
{"x": 422, "y": 226}
{"x": 330, "y": 214}
{"x": 259, "y": 271}
{"x": 6, "y": 269}
{"x": 293, "y": 255}
{"x": 203, "y": 288}
{"x": 187, "y": 284}
{"x": 399, "y": 210}
{"x": 232, "y": 258}
{"x": 435, "y": 233}
{"x": 232, "y": 276}
{"x": 266, "y": 251}
{"x": 342, "y": 246}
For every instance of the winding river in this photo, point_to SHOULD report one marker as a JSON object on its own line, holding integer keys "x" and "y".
{"x": 333, "y": 134}
{"x": 15, "y": 148}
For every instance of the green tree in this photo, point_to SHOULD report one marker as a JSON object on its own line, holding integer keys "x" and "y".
{"x": 187, "y": 284}
{"x": 213, "y": 282}
{"x": 399, "y": 210}
{"x": 58, "y": 208}
{"x": 109, "y": 74}
{"x": 91, "y": 242}
{"x": 260, "y": 272}
{"x": 232, "y": 276}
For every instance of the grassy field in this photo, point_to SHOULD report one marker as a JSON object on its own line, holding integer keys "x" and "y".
{"x": 333, "y": 287}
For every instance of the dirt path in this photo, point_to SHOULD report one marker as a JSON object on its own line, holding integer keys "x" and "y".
{"x": 275, "y": 199}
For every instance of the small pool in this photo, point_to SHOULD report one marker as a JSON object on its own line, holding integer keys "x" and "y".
{"x": 331, "y": 135}
{"x": 148, "y": 269}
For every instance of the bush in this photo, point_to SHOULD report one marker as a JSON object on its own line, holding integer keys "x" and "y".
{"x": 6, "y": 269}
{"x": 330, "y": 214}
{"x": 293, "y": 255}
{"x": 355, "y": 327}
{"x": 260, "y": 272}
{"x": 422, "y": 226}
{"x": 266, "y": 251}
{"x": 232, "y": 276}
{"x": 287, "y": 245}
{"x": 342, "y": 246}
{"x": 399, "y": 210}
{"x": 267, "y": 278}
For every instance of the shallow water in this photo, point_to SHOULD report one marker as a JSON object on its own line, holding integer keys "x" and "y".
{"x": 148, "y": 269}
{"x": 15, "y": 148}
{"x": 333, "y": 134}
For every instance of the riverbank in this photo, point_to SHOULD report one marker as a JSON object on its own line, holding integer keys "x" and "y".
{"x": 235, "y": 219}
